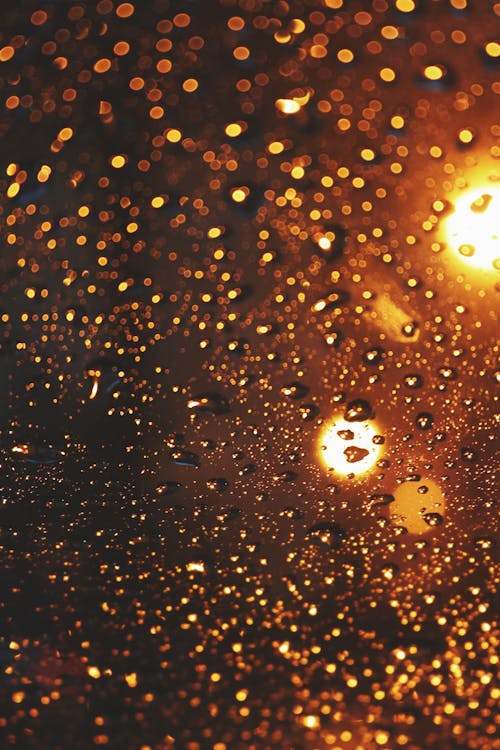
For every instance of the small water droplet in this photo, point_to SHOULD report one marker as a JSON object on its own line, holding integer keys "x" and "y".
{"x": 433, "y": 519}
{"x": 217, "y": 484}
{"x": 373, "y": 356}
{"x": 345, "y": 434}
{"x": 308, "y": 412}
{"x": 424, "y": 420}
{"x": 413, "y": 380}
{"x": 294, "y": 514}
{"x": 468, "y": 454}
{"x": 389, "y": 571}
{"x": 467, "y": 250}
{"x": 167, "y": 488}
{"x": 447, "y": 373}
{"x": 410, "y": 329}
{"x": 326, "y": 534}
{"x": 295, "y": 390}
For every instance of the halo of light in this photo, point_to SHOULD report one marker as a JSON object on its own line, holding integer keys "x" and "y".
{"x": 472, "y": 230}
{"x": 419, "y": 512}
{"x": 349, "y": 447}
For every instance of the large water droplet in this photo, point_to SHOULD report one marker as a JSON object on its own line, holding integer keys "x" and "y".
{"x": 209, "y": 403}
{"x": 358, "y": 411}
{"x": 184, "y": 457}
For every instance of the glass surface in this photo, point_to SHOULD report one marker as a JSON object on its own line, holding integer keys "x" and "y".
{"x": 249, "y": 347}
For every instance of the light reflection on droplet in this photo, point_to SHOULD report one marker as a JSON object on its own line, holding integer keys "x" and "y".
{"x": 349, "y": 447}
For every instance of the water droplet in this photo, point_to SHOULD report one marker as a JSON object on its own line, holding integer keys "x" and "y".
{"x": 484, "y": 543}
{"x": 424, "y": 420}
{"x": 480, "y": 205}
{"x": 230, "y": 513}
{"x": 247, "y": 469}
{"x": 167, "y": 488}
{"x": 184, "y": 458}
{"x": 308, "y": 412}
{"x": 295, "y": 390}
{"x": 333, "y": 489}
{"x": 373, "y": 356}
{"x": 345, "y": 434}
{"x": 334, "y": 338}
{"x": 358, "y": 411}
{"x": 217, "y": 484}
{"x": 413, "y": 380}
{"x": 468, "y": 454}
{"x": 410, "y": 329}
{"x": 209, "y": 403}
{"x": 294, "y": 514}
{"x": 433, "y": 519}
{"x": 238, "y": 346}
{"x": 285, "y": 476}
{"x": 38, "y": 454}
{"x": 338, "y": 298}
{"x": 380, "y": 499}
{"x": 354, "y": 454}
{"x": 467, "y": 250}
{"x": 447, "y": 373}
{"x": 389, "y": 571}
{"x": 326, "y": 534}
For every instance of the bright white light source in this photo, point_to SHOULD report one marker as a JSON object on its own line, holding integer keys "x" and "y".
{"x": 473, "y": 230}
{"x": 349, "y": 447}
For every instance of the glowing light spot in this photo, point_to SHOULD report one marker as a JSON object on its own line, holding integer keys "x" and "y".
{"x": 276, "y": 147}
{"x": 387, "y": 74}
{"x": 240, "y": 194}
{"x": 405, "y": 6}
{"x": 95, "y": 388}
{"x": 173, "y": 135}
{"x": 466, "y": 135}
{"x": 434, "y": 72}
{"x": 287, "y": 106}
{"x": 234, "y": 129}
{"x": 118, "y": 161}
{"x": 472, "y": 230}
{"x": 6, "y": 53}
{"x": 293, "y": 105}
{"x": 492, "y": 49}
{"x": 349, "y": 447}
{"x": 345, "y": 55}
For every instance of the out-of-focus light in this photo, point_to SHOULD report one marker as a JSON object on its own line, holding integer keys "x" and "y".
{"x": 473, "y": 230}
{"x": 418, "y": 506}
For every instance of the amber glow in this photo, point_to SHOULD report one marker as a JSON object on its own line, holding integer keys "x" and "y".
{"x": 418, "y": 506}
{"x": 472, "y": 229}
{"x": 349, "y": 447}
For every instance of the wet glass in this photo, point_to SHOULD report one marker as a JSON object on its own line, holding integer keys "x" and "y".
{"x": 249, "y": 349}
